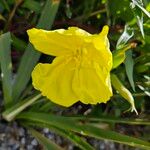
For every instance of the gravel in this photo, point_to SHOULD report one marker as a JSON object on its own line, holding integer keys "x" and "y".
{"x": 15, "y": 137}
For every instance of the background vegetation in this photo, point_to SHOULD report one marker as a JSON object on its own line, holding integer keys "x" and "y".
{"x": 129, "y": 42}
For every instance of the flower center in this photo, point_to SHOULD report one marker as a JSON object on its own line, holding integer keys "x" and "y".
{"x": 80, "y": 56}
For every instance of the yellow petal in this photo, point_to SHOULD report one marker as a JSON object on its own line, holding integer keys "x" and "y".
{"x": 81, "y": 70}
{"x": 101, "y": 43}
{"x": 92, "y": 85}
{"x": 101, "y": 55}
{"x": 105, "y": 30}
{"x": 55, "y": 81}
{"x": 97, "y": 46}
{"x": 76, "y": 31}
{"x": 57, "y": 42}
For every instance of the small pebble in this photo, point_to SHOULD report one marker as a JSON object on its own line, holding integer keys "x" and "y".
{"x": 102, "y": 146}
{"x": 21, "y": 131}
{"x": 3, "y": 146}
{"x": 34, "y": 142}
{"x": 50, "y": 136}
{"x": 11, "y": 141}
{"x": 70, "y": 147}
{"x": 15, "y": 125}
{"x": 15, "y": 146}
{"x": 30, "y": 147}
{"x": 23, "y": 141}
{"x": 46, "y": 130}
{"x": 58, "y": 140}
{"x": 2, "y": 136}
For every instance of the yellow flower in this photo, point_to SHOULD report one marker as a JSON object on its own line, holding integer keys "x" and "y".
{"x": 81, "y": 69}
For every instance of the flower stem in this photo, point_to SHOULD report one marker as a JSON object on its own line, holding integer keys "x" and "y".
{"x": 11, "y": 113}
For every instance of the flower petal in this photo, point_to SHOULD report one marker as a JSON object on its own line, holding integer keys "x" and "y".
{"x": 55, "y": 81}
{"x": 81, "y": 70}
{"x": 101, "y": 43}
{"x": 92, "y": 85}
{"x": 57, "y": 42}
{"x": 97, "y": 46}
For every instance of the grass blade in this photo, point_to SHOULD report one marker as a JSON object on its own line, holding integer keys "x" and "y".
{"x": 6, "y": 67}
{"x": 31, "y": 56}
{"x": 83, "y": 128}
{"x": 47, "y": 144}
{"x": 11, "y": 112}
{"x": 110, "y": 119}
{"x": 19, "y": 44}
{"x": 129, "y": 64}
{"x": 77, "y": 140}
{"x": 138, "y": 14}
{"x": 47, "y": 106}
{"x": 141, "y": 7}
{"x": 32, "y": 5}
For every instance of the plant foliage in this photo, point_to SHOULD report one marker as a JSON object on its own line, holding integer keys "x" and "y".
{"x": 129, "y": 42}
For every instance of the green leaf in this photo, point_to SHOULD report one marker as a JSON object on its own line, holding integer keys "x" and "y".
{"x": 82, "y": 128}
{"x": 32, "y": 5}
{"x": 6, "y": 67}
{"x": 125, "y": 37}
{"x": 123, "y": 91}
{"x": 18, "y": 43}
{"x": 112, "y": 119}
{"x": 47, "y": 144}
{"x": 120, "y": 10}
{"x": 68, "y": 11}
{"x": 142, "y": 68}
{"x": 77, "y": 140}
{"x": 129, "y": 64}
{"x": 6, "y": 5}
{"x": 122, "y": 47}
{"x": 31, "y": 56}
{"x": 2, "y": 18}
{"x": 11, "y": 112}
{"x": 119, "y": 56}
{"x": 139, "y": 4}
{"x": 47, "y": 106}
{"x": 138, "y": 13}
{"x": 26, "y": 66}
{"x": 48, "y": 14}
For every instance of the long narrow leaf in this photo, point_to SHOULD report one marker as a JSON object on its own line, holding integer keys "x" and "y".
{"x": 47, "y": 144}
{"x": 123, "y": 91}
{"x": 31, "y": 56}
{"x": 11, "y": 112}
{"x": 77, "y": 140}
{"x": 83, "y": 128}
{"x": 137, "y": 3}
{"x": 110, "y": 119}
{"x": 129, "y": 64}
{"x": 125, "y": 37}
{"x": 138, "y": 14}
{"x": 122, "y": 46}
{"x": 6, "y": 67}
